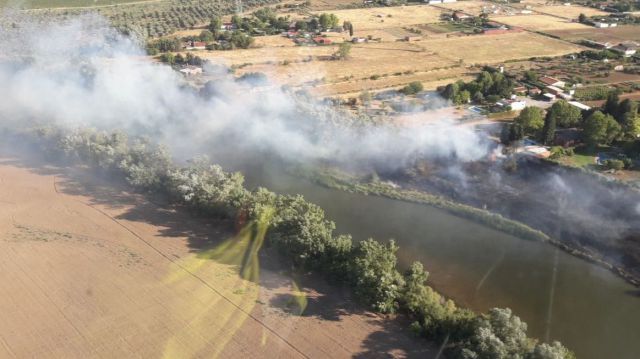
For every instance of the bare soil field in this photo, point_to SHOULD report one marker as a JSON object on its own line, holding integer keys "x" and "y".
{"x": 539, "y": 22}
{"x": 615, "y": 35}
{"x": 382, "y": 17}
{"x": 327, "y": 5}
{"x": 568, "y": 12}
{"x": 92, "y": 271}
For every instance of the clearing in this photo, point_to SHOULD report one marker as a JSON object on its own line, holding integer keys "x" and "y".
{"x": 92, "y": 271}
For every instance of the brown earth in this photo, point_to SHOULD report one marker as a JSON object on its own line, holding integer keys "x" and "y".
{"x": 89, "y": 270}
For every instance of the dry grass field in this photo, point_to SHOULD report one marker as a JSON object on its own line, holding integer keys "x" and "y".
{"x": 491, "y": 49}
{"x": 615, "y": 35}
{"x": 539, "y": 22}
{"x": 89, "y": 271}
{"x": 371, "y": 66}
{"x": 382, "y": 17}
{"x": 568, "y": 12}
{"x": 473, "y": 7}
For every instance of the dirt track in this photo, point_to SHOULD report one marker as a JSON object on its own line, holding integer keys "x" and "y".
{"x": 90, "y": 271}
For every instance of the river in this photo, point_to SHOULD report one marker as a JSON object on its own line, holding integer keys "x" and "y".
{"x": 561, "y": 297}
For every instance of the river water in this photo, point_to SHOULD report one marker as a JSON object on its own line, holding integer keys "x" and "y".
{"x": 561, "y": 297}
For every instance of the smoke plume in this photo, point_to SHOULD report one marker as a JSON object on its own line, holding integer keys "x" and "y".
{"x": 81, "y": 72}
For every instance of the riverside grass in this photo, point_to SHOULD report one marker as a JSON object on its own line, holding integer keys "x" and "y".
{"x": 339, "y": 180}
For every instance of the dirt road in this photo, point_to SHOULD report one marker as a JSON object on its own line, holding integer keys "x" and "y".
{"x": 91, "y": 271}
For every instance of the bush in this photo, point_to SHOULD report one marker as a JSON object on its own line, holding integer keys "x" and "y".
{"x": 412, "y": 88}
{"x": 614, "y": 164}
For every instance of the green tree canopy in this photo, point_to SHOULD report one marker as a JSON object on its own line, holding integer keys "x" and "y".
{"x": 531, "y": 119}
{"x": 600, "y": 129}
{"x": 565, "y": 114}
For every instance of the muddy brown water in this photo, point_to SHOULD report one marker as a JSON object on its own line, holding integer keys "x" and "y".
{"x": 561, "y": 297}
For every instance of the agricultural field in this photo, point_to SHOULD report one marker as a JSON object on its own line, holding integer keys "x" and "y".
{"x": 568, "y": 12}
{"x": 383, "y": 17}
{"x": 539, "y": 22}
{"x": 376, "y": 66}
{"x": 614, "y": 35}
{"x": 97, "y": 272}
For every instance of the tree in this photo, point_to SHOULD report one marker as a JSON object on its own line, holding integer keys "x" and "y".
{"x": 549, "y": 128}
{"x": 531, "y": 119}
{"x": 215, "y": 25}
{"x": 451, "y": 91}
{"x": 610, "y": 107}
{"x": 531, "y": 76}
{"x": 412, "y": 88}
{"x": 375, "y": 277}
{"x": 301, "y": 25}
{"x": 498, "y": 335}
{"x": 565, "y": 114}
{"x": 206, "y": 36}
{"x": 344, "y": 50}
{"x": 600, "y": 129}
{"x": 582, "y": 18}
{"x": 328, "y": 21}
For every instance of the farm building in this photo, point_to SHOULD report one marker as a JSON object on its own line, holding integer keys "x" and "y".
{"x": 534, "y": 91}
{"x": 356, "y": 40}
{"x": 412, "y": 38}
{"x": 552, "y": 81}
{"x": 627, "y": 48}
{"x": 553, "y": 90}
{"x": 549, "y": 96}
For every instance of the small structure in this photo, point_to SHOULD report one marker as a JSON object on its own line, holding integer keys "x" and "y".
{"x": 579, "y": 105}
{"x": 549, "y": 96}
{"x": 412, "y": 38}
{"x": 534, "y": 91}
{"x": 228, "y": 26}
{"x": 520, "y": 89}
{"x": 196, "y": 45}
{"x": 534, "y": 151}
{"x": 513, "y": 104}
{"x": 459, "y": 16}
{"x": 448, "y": 1}
{"x": 357, "y": 40}
{"x": 191, "y": 71}
{"x": 322, "y": 41}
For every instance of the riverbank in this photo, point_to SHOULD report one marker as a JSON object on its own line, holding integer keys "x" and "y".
{"x": 336, "y": 179}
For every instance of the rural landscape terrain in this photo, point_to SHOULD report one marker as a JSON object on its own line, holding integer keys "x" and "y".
{"x": 323, "y": 178}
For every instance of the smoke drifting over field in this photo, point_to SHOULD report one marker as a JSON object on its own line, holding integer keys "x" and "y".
{"x": 81, "y": 72}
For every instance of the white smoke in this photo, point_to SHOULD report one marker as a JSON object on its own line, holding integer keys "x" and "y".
{"x": 81, "y": 72}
